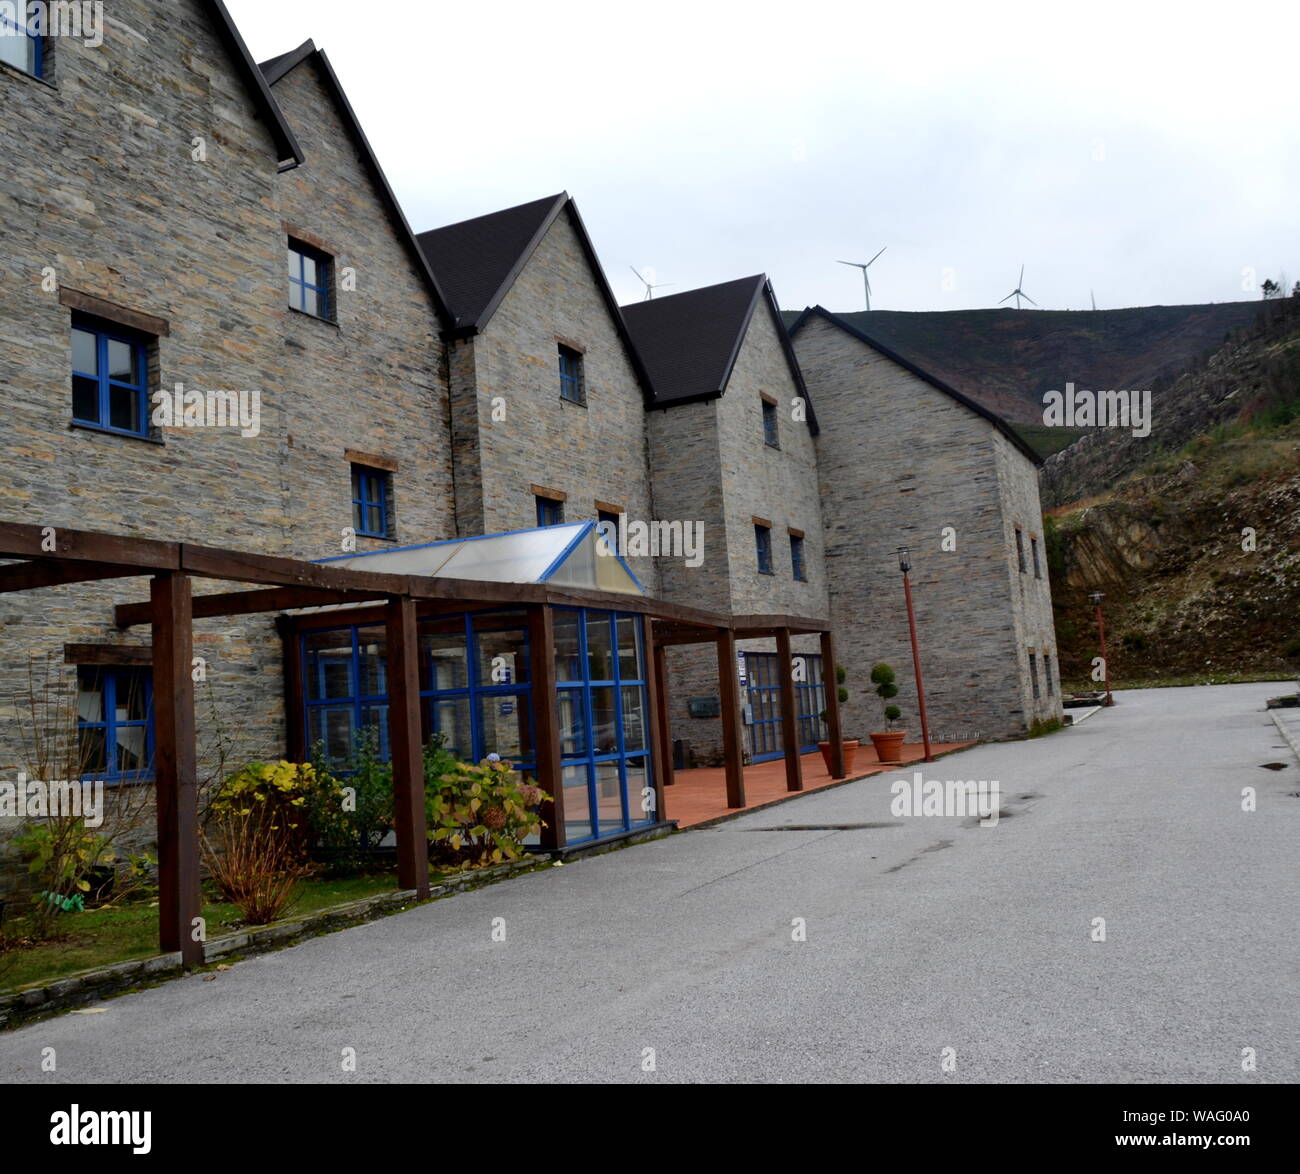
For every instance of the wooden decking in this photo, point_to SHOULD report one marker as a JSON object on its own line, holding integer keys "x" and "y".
{"x": 700, "y": 796}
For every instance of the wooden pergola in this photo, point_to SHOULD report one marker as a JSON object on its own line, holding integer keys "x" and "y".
{"x": 55, "y": 556}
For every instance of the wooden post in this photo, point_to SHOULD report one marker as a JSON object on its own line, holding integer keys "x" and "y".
{"x": 789, "y": 717}
{"x": 733, "y": 733}
{"x": 663, "y": 725}
{"x": 541, "y": 672}
{"x": 175, "y": 773}
{"x": 655, "y": 716}
{"x": 831, "y": 688}
{"x": 404, "y": 736}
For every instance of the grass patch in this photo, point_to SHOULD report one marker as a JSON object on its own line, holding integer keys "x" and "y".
{"x": 1040, "y": 727}
{"x": 101, "y": 937}
{"x": 1180, "y": 680}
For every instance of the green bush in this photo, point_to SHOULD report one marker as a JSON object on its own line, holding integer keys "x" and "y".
{"x": 480, "y": 814}
{"x": 348, "y": 830}
{"x": 883, "y": 677}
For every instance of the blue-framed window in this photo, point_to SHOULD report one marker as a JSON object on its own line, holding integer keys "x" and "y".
{"x": 763, "y": 697}
{"x": 604, "y": 725}
{"x": 796, "y": 557}
{"x": 549, "y": 511}
{"x": 771, "y": 428}
{"x": 474, "y": 687}
{"x": 309, "y": 280}
{"x": 110, "y": 375}
{"x": 21, "y": 43}
{"x": 571, "y": 379}
{"x": 372, "y": 502}
{"x": 763, "y": 547}
{"x": 115, "y": 733}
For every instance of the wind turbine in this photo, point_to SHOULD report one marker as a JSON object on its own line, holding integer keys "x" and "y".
{"x": 866, "y": 281}
{"x": 650, "y": 286}
{"x": 1019, "y": 293}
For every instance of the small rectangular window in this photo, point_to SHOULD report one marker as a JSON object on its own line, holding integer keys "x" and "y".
{"x": 771, "y": 428}
{"x": 549, "y": 511}
{"x": 608, "y": 526}
{"x": 110, "y": 373}
{"x": 1020, "y": 550}
{"x": 571, "y": 378}
{"x": 21, "y": 43}
{"x": 1033, "y": 673}
{"x": 372, "y": 494}
{"x": 1047, "y": 673}
{"x": 1033, "y": 547}
{"x": 115, "y": 739}
{"x": 796, "y": 557}
{"x": 763, "y": 544}
{"x": 309, "y": 280}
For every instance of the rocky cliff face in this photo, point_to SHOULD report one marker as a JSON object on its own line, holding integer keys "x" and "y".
{"x": 1196, "y": 547}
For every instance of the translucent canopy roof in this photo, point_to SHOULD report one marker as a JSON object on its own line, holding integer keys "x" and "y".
{"x": 574, "y": 554}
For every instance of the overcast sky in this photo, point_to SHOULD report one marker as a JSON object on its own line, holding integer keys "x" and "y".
{"x": 1148, "y": 152}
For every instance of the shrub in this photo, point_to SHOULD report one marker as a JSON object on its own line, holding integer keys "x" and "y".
{"x": 479, "y": 814}
{"x": 61, "y": 855}
{"x": 353, "y": 820}
{"x": 883, "y": 677}
{"x": 262, "y": 823}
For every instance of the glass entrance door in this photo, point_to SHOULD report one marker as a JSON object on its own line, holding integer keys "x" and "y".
{"x": 763, "y": 703}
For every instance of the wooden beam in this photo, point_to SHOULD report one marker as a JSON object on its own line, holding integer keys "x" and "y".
{"x": 114, "y": 654}
{"x": 733, "y": 732}
{"x": 52, "y": 573}
{"x": 176, "y": 787}
{"x": 663, "y": 726}
{"x": 655, "y": 716}
{"x": 240, "y": 603}
{"x": 19, "y": 540}
{"x": 789, "y": 716}
{"x": 296, "y": 732}
{"x": 831, "y": 687}
{"x": 405, "y": 737}
{"x": 754, "y": 626}
{"x": 541, "y": 672}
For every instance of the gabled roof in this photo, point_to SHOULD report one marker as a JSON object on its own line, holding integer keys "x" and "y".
{"x": 278, "y": 68}
{"x": 975, "y": 406}
{"x": 289, "y": 153}
{"x": 478, "y": 260}
{"x": 689, "y": 341}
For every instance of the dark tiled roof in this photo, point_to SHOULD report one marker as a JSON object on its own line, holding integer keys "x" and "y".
{"x": 689, "y": 341}
{"x": 975, "y": 406}
{"x": 476, "y": 261}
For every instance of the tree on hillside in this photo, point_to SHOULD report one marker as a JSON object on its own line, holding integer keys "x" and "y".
{"x": 1270, "y": 288}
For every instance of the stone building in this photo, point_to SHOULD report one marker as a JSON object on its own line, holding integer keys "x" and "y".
{"x": 197, "y": 225}
{"x": 904, "y": 460}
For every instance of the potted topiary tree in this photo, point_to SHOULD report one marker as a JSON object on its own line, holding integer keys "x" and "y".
{"x": 849, "y": 745}
{"x": 889, "y": 745}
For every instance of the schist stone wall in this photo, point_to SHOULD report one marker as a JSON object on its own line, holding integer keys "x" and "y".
{"x": 513, "y": 429}
{"x": 899, "y": 451}
{"x": 711, "y": 463}
{"x": 116, "y": 208}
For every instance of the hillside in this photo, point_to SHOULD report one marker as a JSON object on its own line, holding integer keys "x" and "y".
{"x": 1193, "y": 533}
{"x": 1008, "y": 358}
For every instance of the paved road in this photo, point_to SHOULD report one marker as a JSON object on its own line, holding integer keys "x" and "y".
{"x": 922, "y": 936}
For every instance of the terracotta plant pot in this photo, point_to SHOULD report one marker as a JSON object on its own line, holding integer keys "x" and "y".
{"x": 850, "y": 753}
{"x": 889, "y": 747}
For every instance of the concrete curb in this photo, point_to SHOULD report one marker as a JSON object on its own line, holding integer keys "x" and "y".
{"x": 1292, "y": 740}
{"x": 39, "y": 1000}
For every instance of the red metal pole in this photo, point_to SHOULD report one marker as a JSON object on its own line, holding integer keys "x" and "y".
{"x": 1105, "y": 662}
{"x": 916, "y": 665}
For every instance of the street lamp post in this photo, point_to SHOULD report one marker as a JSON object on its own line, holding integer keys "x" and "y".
{"x": 905, "y": 565}
{"x": 1096, "y": 597}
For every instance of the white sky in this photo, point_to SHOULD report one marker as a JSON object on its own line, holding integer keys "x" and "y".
{"x": 1147, "y": 151}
